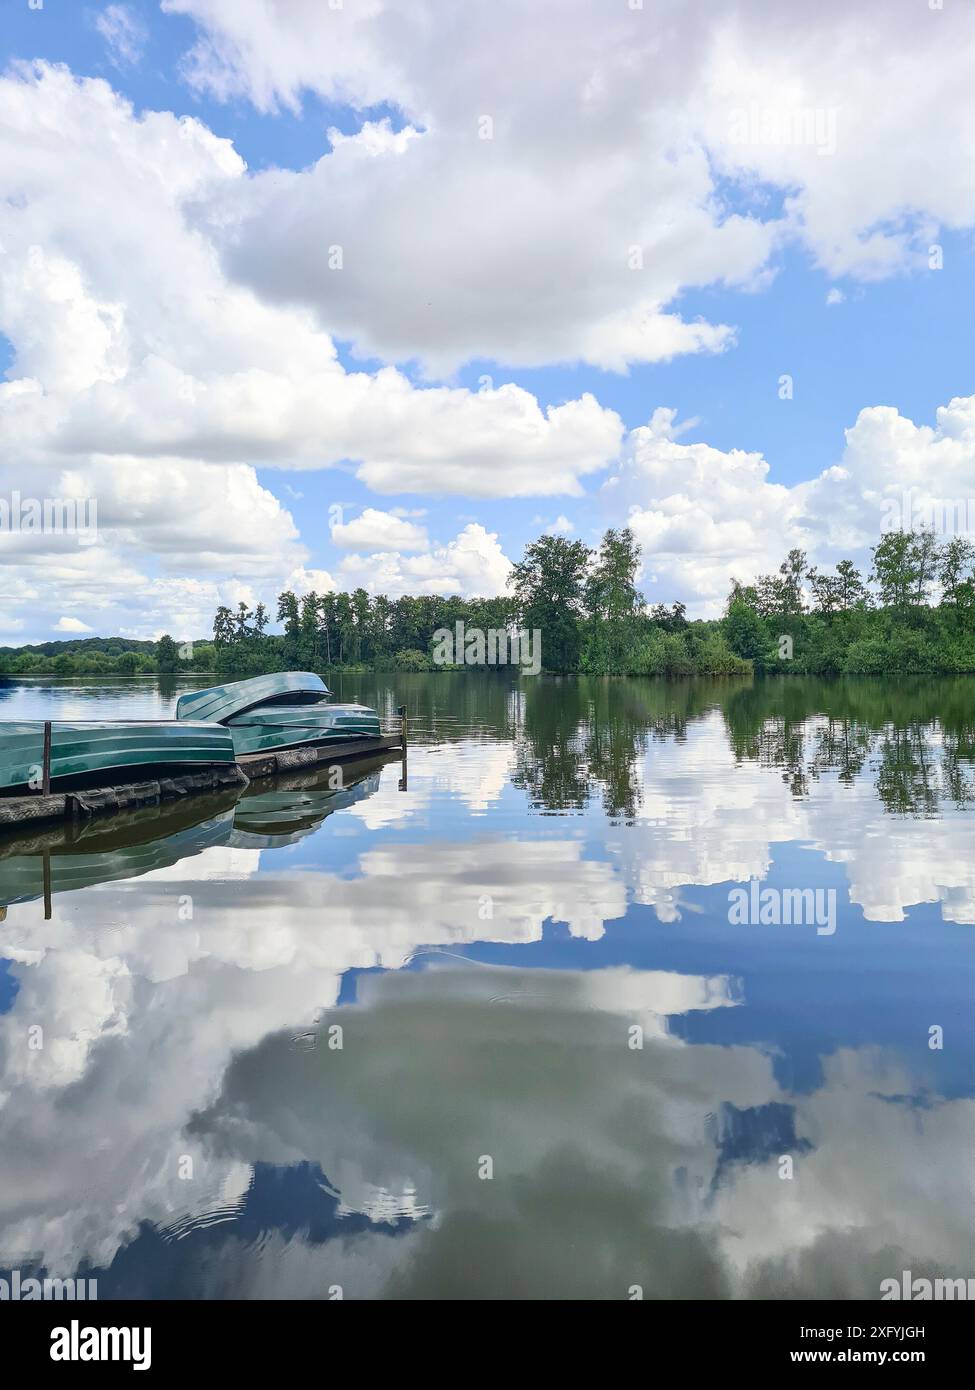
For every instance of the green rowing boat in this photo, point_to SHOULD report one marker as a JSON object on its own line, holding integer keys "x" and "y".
{"x": 285, "y": 710}
{"x": 289, "y": 726}
{"x": 81, "y": 754}
{"x": 218, "y": 703}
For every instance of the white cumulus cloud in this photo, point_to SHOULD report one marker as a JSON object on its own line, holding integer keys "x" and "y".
{"x": 472, "y": 564}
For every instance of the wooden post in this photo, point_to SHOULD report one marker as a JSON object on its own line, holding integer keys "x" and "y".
{"x": 404, "y": 729}
{"x": 46, "y": 858}
{"x": 46, "y": 770}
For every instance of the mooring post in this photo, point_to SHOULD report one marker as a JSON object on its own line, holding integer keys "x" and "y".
{"x": 46, "y": 869}
{"x": 46, "y": 766}
{"x": 403, "y": 729}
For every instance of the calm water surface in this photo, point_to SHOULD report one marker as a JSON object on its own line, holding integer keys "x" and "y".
{"x": 491, "y": 1033}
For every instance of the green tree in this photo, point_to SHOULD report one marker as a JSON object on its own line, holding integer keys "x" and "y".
{"x": 826, "y": 592}
{"x": 852, "y": 590}
{"x": 792, "y": 571}
{"x": 673, "y": 619}
{"x": 241, "y": 619}
{"x": 289, "y": 615}
{"x": 927, "y": 559}
{"x": 744, "y": 631}
{"x": 613, "y": 604}
{"x": 345, "y": 627}
{"x": 742, "y": 593}
{"x": 167, "y": 653}
{"x": 956, "y": 568}
{"x": 610, "y": 590}
{"x": 548, "y": 586}
{"x": 905, "y": 565}
{"x": 308, "y": 646}
{"x": 223, "y": 626}
{"x": 361, "y": 620}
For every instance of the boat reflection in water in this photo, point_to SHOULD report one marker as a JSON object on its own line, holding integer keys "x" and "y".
{"x": 119, "y": 847}
{"x": 127, "y": 845}
{"x": 295, "y": 806}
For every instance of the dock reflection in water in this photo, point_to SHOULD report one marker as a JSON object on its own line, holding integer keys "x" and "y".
{"x": 495, "y": 1035}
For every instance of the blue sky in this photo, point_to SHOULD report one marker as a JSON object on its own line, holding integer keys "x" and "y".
{"x": 759, "y": 242}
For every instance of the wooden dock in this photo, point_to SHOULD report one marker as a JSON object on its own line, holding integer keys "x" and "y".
{"x": 46, "y": 807}
{"x": 18, "y": 811}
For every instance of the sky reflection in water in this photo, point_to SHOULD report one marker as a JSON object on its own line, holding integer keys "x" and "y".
{"x": 555, "y": 874}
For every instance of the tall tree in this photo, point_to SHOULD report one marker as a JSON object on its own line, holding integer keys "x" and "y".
{"x": 927, "y": 558}
{"x": 167, "y": 653}
{"x": 223, "y": 626}
{"x": 826, "y": 592}
{"x": 308, "y": 630}
{"x": 548, "y": 587}
{"x": 956, "y": 569}
{"x": 345, "y": 628}
{"x": 610, "y": 591}
{"x": 613, "y": 603}
{"x": 852, "y": 590}
{"x": 742, "y": 593}
{"x": 288, "y": 614}
{"x": 327, "y": 608}
{"x": 792, "y": 571}
{"x": 905, "y": 564}
{"x": 241, "y": 620}
{"x": 361, "y": 619}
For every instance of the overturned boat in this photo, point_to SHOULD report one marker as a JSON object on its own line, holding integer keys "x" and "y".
{"x": 89, "y": 754}
{"x": 268, "y": 714}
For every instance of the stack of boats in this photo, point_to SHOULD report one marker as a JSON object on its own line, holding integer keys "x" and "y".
{"x": 271, "y": 713}
{"x": 213, "y": 727}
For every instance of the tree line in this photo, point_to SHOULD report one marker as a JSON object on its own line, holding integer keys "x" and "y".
{"x": 584, "y": 602}
{"x": 912, "y": 611}
{"x": 107, "y": 656}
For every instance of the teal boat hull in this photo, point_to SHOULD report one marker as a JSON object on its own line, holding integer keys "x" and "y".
{"x": 274, "y": 728}
{"x": 95, "y": 754}
{"x": 220, "y": 703}
{"x": 271, "y": 714}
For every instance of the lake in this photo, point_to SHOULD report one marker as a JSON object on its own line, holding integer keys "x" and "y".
{"x": 628, "y": 988}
